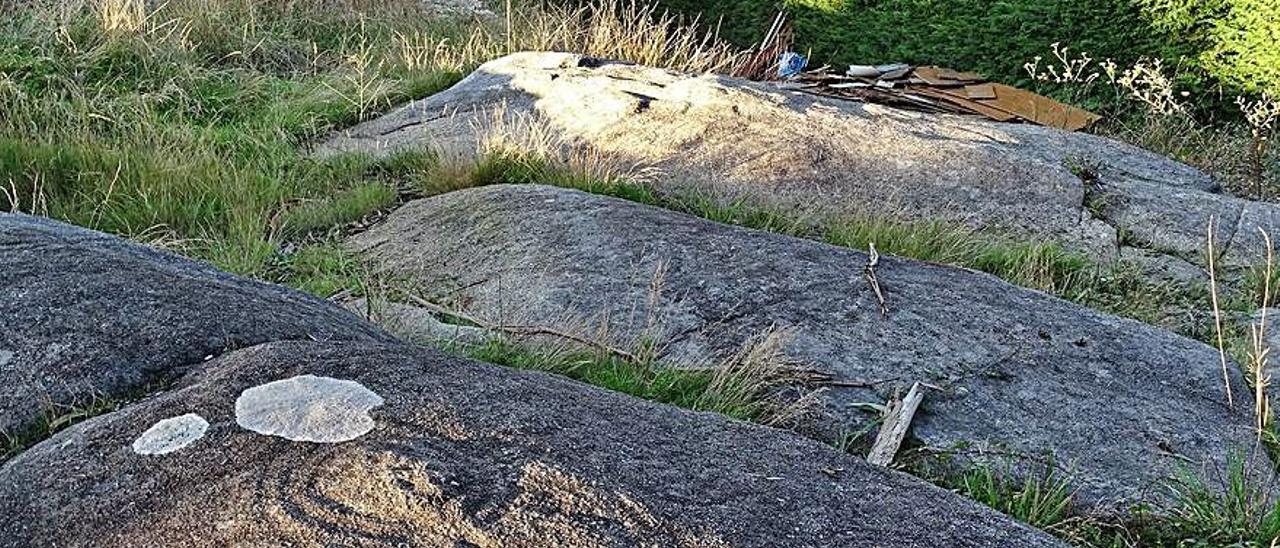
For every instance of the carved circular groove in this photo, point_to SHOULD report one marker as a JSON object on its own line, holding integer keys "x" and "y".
{"x": 308, "y": 408}
{"x": 171, "y": 434}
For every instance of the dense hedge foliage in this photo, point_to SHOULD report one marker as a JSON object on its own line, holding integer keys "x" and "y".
{"x": 1240, "y": 38}
{"x": 1230, "y": 42}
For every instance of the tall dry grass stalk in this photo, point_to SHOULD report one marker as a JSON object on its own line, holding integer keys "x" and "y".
{"x": 362, "y": 84}
{"x": 526, "y": 137}
{"x": 421, "y": 51}
{"x": 1259, "y": 349}
{"x": 37, "y": 202}
{"x": 624, "y": 30}
{"x": 1211, "y": 253}
{"x": 122, "y": 15}
{"x": 1261, "y": 115}
{"x": 749, "y": 377}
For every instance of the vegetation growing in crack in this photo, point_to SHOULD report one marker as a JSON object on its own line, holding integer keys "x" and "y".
{"x": 1232, "y": 507}
{"x": 742, "y": 390}
{"x": 195, "y": 140}
{"x": 56, "y": 417}
{"x": 1119, "y": 289}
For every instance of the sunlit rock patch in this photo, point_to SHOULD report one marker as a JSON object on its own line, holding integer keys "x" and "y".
{"x": 308, "y": 408}
{"x": 171, "y": 434}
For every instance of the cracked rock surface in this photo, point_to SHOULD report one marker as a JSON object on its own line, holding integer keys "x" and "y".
{"x": 450, "y": 452}
{"x": 85, "y": 315}
{"x": 818, "y": 156}
{"x": 1121, "y": 403}
{"x": 467, "y": 454}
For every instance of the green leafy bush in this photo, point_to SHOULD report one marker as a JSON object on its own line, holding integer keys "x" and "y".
{"x": 1239, "y": 39}
{"x": 1235, "y": 43}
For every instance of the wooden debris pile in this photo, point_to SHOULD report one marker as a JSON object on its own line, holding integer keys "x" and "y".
{"x": 941, "y": 90}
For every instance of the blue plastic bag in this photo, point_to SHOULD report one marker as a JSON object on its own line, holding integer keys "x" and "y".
{"x": 790, "y": 64}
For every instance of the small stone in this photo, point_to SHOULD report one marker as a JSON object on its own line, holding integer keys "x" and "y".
{"x": 171, "y": 434}
{"x": 308, "y": 408}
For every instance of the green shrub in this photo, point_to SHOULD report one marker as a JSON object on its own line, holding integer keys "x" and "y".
{"x": 1240, "y": 39}
{"x": 1229, "y": 42}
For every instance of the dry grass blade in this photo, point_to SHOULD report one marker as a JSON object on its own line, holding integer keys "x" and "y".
{"x": 1217, "y": 310}
{"x": 1258, "y": 353}
{"x": 622, "y": 30}
{"x": 743, "y": 384}
{"x": 763, "y": 61}
{"x": 523, "y": 330}
{"x": 122, "y": 15}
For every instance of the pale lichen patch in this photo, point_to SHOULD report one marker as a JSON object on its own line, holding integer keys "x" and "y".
{"x": 308, "y": 408}
{"x": 5, "y": 357}
{"x": 171, "y": 434}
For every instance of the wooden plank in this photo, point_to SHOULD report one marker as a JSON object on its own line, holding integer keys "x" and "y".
{"x": 897, "y": 422}
{"x": 980, "y": 91}
{"x": 944, "y": 77}
{"x": 1039, "y": 109}
{"x": 964, "y": 103}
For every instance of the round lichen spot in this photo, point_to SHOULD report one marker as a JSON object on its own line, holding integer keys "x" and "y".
{"x": 171, "y": 434}
{"x": 308, "y": 408}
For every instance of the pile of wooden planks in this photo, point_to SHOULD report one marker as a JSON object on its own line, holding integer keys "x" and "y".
{"x": 937, "y": 89}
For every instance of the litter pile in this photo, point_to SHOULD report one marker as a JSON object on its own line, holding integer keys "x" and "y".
{"x": 937, "y": 89}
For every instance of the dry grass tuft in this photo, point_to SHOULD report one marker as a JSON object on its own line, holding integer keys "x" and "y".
{"x": 623, "y": 30}
{"x": 746, "y": 383}
{"x": 528, "y": 138}
{"x": 122, "y": 15}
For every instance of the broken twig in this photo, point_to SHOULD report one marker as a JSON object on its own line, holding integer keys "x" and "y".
{"x": 869, "y": 274}
{"x": 897, "y": 420}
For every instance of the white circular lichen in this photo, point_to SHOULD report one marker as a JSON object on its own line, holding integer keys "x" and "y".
{"x": 308, "y": 408}
{"x": 171, "y": 434}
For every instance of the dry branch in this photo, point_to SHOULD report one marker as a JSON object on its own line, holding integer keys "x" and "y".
{"x": 523, "y": 330}
{"x": 897, "y": 421}
{"x": 869, "y": 274}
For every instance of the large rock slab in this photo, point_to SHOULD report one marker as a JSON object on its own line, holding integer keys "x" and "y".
{"x": 85, "y": 315}
{"x": 1018, "y": 372}
{"x": 462, "y": 454}
{"x": 820, "y": 156}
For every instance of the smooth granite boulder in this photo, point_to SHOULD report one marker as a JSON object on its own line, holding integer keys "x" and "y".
{"x": 1017, "y": 372}
{"x": 815, "y": 156}
{"x": 84, "y": 315}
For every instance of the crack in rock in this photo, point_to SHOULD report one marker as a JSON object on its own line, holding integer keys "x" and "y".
{"x": 308, "y": 408}
{"x": 1225, "y": 246}
{"x": 171, "y": 434}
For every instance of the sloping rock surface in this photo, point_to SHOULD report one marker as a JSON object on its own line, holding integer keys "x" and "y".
{"x": 1017, "y": 371}
{"x": 361, "y": 440}
{"x": 820, "y": 156}
{"x": 465, "y": 454}
{"x": 85, "y": 315}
